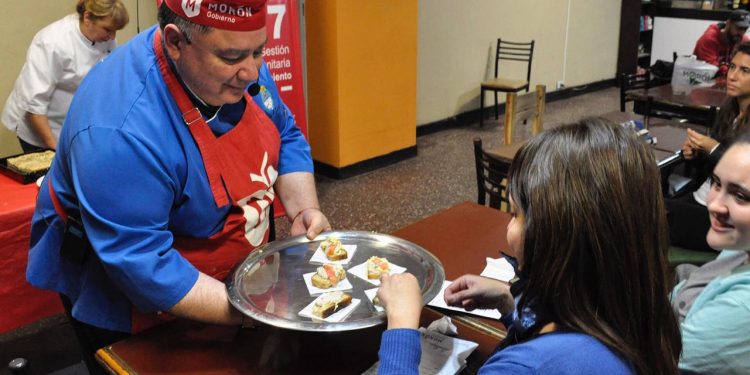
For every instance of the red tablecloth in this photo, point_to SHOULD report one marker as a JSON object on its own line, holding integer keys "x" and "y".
{"x": 20, "y": 303}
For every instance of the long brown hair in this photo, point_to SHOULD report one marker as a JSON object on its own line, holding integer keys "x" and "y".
{"x": 724, "y": 129}
{"x": 595, "y": 244}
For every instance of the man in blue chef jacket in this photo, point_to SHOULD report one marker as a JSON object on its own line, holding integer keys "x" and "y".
{"x": 165, "y": 170}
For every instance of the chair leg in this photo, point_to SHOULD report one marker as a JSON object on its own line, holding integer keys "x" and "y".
{"x": 481, "y": 107}
{"x": 496, "y": 114}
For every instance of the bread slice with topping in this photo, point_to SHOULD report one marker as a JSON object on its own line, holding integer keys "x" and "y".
{"x": 333, "y": 249}
{"x": 329, "y": 303}
{"x": 377, "y": 266}
{"x": 328, "y": 275}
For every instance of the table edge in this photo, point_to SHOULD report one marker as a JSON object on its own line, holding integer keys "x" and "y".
{"x": 112, "y": 362}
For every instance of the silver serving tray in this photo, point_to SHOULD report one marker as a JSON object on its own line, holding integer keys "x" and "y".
{"x": 268, "y": 286}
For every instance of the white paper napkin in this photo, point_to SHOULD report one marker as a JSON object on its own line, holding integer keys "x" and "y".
{"x": 314, "y": 291}
{"x": 441, "y": 354}
{"x": 320, "y": 257}
{"x": 361, "y": 272}
{"x": 498, "y": 269}
{"x": 439, "y": 301}
{"x": 444, "y": 325}
{"x": 336, "y": 317}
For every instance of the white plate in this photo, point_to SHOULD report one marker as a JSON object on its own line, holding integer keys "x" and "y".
{"x": 319, "y": 257}
{"x": 333, "y": 318}
{"x": 371, "y": 293}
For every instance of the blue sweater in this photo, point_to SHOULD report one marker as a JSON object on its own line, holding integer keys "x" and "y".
{"x": 552, "y": 353}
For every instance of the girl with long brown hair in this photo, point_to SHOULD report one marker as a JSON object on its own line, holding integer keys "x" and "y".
{"x": 589, "y": 236}
{"x": 687, "y": 213}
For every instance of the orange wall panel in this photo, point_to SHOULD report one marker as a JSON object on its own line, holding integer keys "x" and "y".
{"x": 375, "y": 61}
{"x": 322, "y": 80}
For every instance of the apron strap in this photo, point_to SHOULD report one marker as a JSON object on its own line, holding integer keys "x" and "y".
{"x": 56, "y": 202}
{"x": 192, "y": 117}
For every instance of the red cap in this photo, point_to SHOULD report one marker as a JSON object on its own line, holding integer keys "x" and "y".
{"x": 235, "y": 15}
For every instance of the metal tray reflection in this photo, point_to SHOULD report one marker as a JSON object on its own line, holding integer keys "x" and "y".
{"x": 268, "y": 285}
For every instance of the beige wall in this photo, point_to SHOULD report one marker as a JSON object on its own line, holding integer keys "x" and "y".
{"x": 456, "y": 43}
{"x": 454, "y": 54}
{"x": 22, "y": 19}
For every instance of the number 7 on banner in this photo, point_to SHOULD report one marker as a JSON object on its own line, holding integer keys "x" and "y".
{"x": 279, "y": 11}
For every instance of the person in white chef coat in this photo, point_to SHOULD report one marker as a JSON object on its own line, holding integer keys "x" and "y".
{"x": 60, "y": 55}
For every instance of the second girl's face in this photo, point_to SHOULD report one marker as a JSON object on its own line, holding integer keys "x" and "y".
{"x": 738, "y": 76}
{"x": 515, "y": 233}
{"x": 729, "y": 201}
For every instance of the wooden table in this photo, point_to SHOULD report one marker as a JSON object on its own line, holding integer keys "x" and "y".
{"x": 695, "y": 97}
{"x": 670, "y": 134}
{"x": 461, "y": 237}
{"x": 20, "y": 303}
{"x": 691, "y": 103}
{"x": 184, "y": 347}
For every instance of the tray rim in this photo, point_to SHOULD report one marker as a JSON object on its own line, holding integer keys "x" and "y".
{"x": 428, "y": 292}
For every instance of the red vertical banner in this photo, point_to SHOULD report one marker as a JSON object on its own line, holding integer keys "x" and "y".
{"x": 284, "y": 56}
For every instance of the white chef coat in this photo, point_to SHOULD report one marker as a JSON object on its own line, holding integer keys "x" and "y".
{"x": 56, "y": 62}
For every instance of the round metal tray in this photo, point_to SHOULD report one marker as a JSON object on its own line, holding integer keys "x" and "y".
{"x": 268, "y": 285}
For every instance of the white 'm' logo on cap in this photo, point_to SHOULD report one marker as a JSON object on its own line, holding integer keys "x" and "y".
{"x": 191, "y": 7}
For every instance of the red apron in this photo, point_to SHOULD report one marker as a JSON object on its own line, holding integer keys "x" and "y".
{"x": 241, "y": 166}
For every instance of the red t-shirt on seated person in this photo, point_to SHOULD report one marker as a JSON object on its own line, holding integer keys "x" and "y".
{"x": 716, "y": 50}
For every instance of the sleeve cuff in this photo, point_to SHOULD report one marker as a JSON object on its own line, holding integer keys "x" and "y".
{"x": 400, "y": 351}
{"x": 714, "y": 148}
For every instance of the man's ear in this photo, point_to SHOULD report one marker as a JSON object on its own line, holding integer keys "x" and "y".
{"x": 174, "y": 41}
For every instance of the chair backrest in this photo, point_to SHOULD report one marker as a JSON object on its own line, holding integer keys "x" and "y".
{"x": 711, "y": 117}
{"x": 492, "y": 174}
{"x": 630, "y": 82}
{"x": 514, "y": 51}
{"x": 522, "y": 108}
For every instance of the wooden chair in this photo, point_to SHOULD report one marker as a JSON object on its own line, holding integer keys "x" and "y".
{"x": 630, "y": 82}
{"x": 492, "y": 178}
{"x": 492, "y": 165}
{"x": 521, "y": 108}
{"x": 512, "y": 51}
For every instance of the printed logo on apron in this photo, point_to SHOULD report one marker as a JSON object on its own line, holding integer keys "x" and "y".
{"x": 256, "y": 225}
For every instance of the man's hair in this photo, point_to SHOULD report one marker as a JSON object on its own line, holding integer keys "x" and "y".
{"x": 166, "y": 16}
{"x": 595, "y": 241}
{"x": 99, "y": 9}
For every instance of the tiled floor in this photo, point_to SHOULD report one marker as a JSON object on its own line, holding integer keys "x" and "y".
{"x": 383, "y": 200}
